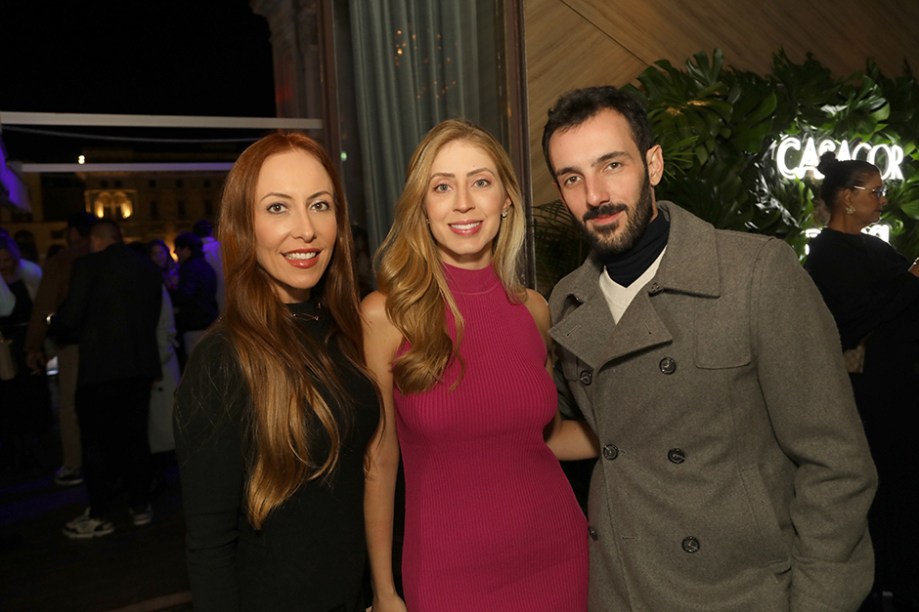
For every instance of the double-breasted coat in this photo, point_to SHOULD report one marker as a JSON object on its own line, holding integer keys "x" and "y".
{"x": 734, "y": 472}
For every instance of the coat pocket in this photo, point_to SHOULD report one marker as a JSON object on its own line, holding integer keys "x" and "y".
{"x": 771, "y": 542}
{"x": 722, "y": 339}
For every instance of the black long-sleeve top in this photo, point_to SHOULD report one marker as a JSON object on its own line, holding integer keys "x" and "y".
{"x": 310, "y": 553}
{"x": 868, "y": 288}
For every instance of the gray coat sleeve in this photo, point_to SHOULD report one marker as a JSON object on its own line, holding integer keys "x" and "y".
{"x": 810, "y": 403}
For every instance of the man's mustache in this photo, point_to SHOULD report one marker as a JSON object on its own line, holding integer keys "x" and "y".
{"x": 603, "y": 211}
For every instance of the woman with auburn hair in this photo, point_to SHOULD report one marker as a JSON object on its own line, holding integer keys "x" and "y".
{"x": 275, "y": 408}
{"x": 458, "y": 348}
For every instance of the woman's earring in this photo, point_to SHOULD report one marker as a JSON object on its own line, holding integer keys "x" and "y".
{"x": 504, "y": 213}
{"x": 850, "y": 210}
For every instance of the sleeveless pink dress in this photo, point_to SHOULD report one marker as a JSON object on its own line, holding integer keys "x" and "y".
{"x": 491, "y": 522}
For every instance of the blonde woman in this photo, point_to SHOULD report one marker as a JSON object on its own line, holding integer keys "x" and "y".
{"x": 275, "y": 410}
{"x": 458, "y": 348}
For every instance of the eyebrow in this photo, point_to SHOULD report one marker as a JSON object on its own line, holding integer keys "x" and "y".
{"x": 470, "y": 173}
{"x": 600, "y": 160}
{"x": 278, "y": 194}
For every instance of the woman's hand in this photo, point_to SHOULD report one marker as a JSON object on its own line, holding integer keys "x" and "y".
{"x": 388, "y": 603}
{"x": 914, "y": 269}
{"x": 571, "y": 440}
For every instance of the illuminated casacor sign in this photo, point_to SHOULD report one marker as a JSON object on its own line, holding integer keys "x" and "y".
{"x": 794, "y": 158}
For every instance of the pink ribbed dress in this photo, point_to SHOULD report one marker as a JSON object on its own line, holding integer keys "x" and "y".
{"x": 491, "y": 523}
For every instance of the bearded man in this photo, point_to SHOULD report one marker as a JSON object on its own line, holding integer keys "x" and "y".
{"x": 734, "y": 472}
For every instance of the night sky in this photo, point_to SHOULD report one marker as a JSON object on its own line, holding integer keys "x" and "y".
{"x": 159, "y": 57}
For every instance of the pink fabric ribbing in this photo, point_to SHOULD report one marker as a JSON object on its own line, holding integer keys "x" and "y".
{"x": 491, "y": 522}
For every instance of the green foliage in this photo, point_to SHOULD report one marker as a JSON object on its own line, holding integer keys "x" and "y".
{"x": 560, "y": 247}
{"x": 736, "y": 117}
{"x": 719, "y": 126}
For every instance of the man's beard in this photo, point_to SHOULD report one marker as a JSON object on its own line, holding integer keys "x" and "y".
{"x": 604, "y": 240}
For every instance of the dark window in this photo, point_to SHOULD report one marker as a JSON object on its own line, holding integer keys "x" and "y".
{"x": 103, "y": 184}
{"x": 151, "y": 183}
{"x": 118, "y": 184}
{"x": 179, "y": 183}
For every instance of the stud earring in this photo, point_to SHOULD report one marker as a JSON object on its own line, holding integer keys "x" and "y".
{"x": 850, "y": 210}
{"x": 504, "y": 213}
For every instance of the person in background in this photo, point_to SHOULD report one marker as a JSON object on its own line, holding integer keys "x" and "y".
{"x": 161, "y": 255}
{"x": 275, "y": 409}
{"x": 873, "y": 293}
{"x": 459, "y": 350}
{"x": 734, "y": 472}
{"x": 162, "y": 394}
{"x": 26, "y": 402}
{"x": 25, "y": 270}
{"x": 211, "y": 249}
{"x": 112, "y": 308}
{"x": 51, "y": 293}
{"x": 195, "y": 298}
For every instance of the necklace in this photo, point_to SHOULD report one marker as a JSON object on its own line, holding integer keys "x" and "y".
{"x": 307, "y": 316}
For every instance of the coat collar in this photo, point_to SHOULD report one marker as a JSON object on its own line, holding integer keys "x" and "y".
{"x": 690, "y": 264}
{"x": 584, "y": 323}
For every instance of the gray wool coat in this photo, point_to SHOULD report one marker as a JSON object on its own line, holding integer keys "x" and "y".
{"x": 734, "y": 473}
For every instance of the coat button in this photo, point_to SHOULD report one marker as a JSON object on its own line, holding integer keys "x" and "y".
{"x": 667, "y": 365}
{"x": 593, "y": 533}
{"x": 585, "y": 377}
{"x": 654, "y": 287}
{"x": 690, "y": 545}
{"x": 610, "y": 452}
{"x": 676, "y": 455}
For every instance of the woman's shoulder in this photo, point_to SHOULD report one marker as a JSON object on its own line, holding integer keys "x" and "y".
{"x": 212, "y": 364}
{"x": 374, "y": 302}
{"x": 216, "y": 344}
{"x": 539, "y": 309}
{"x": 379, "y": 331}
{"x": 373, "y": 310}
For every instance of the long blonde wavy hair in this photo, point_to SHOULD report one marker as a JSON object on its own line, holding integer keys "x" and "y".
{"x": 283, "y": 368}
{"x": 409, "y": 270}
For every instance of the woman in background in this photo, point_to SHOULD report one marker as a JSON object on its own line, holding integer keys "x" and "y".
{"x": 458, "y": 348}
{"x": 274, "y": 411}
{"x": 159, "y": 253}
{"x": 873, "y": 293}
{"x": 25, "y": 398}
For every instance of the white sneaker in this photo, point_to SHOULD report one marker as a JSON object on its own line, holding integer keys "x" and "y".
{"x": 66, "y": 476}
{"x": 84, "y": 527}
{"x": 141, "y": 517}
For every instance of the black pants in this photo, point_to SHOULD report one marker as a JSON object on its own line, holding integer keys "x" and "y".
{"x": 113, "y": 432}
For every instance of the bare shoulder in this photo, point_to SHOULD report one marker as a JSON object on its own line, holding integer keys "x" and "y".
{"x": 376, "y": 321}
{"x": 373, "y": 309}
{"x": 539, "y": 310}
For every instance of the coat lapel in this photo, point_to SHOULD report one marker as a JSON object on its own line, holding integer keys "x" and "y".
{"x": 689, "y": 266}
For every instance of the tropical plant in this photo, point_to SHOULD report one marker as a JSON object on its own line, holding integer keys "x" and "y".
{"x": 719, "y": 128}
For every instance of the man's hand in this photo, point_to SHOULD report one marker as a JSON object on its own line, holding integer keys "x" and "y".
{"x": 35, "y": 360}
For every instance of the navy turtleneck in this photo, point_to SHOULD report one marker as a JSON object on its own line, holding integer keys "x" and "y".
{"x": 625, "y": 268}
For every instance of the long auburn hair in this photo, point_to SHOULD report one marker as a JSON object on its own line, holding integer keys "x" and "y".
{"x": 409, "y": 267}
{"x": 283, "y": 367}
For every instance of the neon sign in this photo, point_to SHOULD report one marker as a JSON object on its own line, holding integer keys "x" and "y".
{"x": 794, "y": 158}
